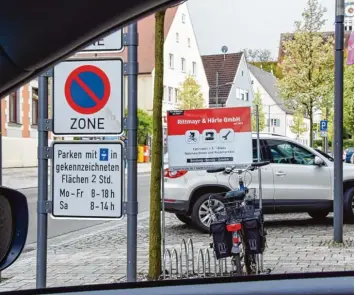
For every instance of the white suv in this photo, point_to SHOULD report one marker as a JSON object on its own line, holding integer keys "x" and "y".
{"x": 293, "y": 182}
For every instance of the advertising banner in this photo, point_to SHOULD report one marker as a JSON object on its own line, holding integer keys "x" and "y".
{"x": 209, "y": 138}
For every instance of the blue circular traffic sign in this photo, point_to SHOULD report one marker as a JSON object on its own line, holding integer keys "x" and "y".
{"x": 87, "y": 89}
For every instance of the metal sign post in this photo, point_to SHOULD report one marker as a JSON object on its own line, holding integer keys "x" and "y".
{"x": 162, "y": 200}
{"x": 131, "y": 70}
{"x": 43, "y": 155}
{"x": 87, "y": 99}
{"x": 259, "y": 172}
{"x": 338, "y": 121}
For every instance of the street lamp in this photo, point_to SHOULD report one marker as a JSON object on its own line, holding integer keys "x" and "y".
{"x": 338, "y": 121}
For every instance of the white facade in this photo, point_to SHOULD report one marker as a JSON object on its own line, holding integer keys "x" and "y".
{"x": 241, "y": 92}
{"x": 281, "y": 121}
{"x": 181, "y": 58}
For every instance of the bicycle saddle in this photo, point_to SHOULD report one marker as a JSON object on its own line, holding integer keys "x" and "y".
{"x": 236, "y": 195}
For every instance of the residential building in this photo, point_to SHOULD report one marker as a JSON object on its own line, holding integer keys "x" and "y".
{"x": 19, "y": 121}
{"x": 278, "y": 117}
{"x": 229, "y": 80}
{"x": 181, "y": 58}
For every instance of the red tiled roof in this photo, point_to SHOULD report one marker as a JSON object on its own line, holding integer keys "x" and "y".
{"x": 226, "y": 66}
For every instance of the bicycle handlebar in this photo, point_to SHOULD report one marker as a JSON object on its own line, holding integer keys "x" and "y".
{"x": 232, "y": 169}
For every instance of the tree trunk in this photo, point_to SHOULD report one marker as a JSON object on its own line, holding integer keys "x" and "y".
{"x": 155, "y": 180}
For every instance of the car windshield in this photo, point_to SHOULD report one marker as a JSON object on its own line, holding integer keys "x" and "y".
{"x": 121, "y": 149}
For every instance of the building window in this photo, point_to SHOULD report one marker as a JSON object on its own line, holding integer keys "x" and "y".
{"x": 183, "y": 65}
{"x": 13, "y": 108}
{"x": 171, "y": 61}
{"x": 164, "y": 93}
{"x": 34, "y": 106}
{"x": 170, "y": 94}
{"x": 242, "y": 94}
{"x": 183, "y": 18}
{"x": 275, "y": 122}
{"x": 176, "y": 95}
{"x": 177, "y": 37}
{"x": 188, "y": 42}
{"x": 194, "y": 68}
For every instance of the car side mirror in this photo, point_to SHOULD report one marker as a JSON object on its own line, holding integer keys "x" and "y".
{"x": 13, "y": 225}
{"x": 318, "y": 161}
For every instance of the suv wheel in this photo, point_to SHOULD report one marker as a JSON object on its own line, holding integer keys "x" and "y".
{"x": 349, "y": 205}
{"x": 319, "y": 215}
{"x": 201, "y": 216}
{"x": 184, "y": 218}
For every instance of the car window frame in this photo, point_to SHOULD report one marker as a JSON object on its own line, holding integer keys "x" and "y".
{"x": 263, "y": 150}
{"x": 292, "y": 144}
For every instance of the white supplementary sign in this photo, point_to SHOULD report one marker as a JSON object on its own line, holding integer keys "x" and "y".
{"x": 324, "y": 133}
{"x": 88, "y": 97}
{"x": 87, "y": 179}
{"x": 209, "y": 138}
{"x": 113, "y": 42}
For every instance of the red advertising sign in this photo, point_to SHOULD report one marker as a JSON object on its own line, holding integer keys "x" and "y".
{"x": 208, "y": 138}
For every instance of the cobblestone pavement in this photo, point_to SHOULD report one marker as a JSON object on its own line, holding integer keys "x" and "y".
{"x": 295, "y": 243}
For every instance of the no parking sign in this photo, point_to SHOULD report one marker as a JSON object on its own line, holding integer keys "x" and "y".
{"x": 88, "y": 97}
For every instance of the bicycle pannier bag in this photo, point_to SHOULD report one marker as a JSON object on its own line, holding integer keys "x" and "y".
{"x": 222, "y": 239}
{"x": 253, "y": 238}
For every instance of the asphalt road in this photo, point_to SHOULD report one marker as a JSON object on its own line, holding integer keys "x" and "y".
{"x": 59, "y": 227}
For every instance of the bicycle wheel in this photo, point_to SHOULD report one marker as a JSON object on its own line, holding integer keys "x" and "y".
{"x": 250, "y": 261}
{"x": 237, "y": 265}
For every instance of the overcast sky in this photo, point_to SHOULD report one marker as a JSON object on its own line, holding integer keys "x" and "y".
{"x": 247, "y": 23}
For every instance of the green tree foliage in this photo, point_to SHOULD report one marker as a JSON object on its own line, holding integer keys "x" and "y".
{"x": 348, "y": 101}
{"x": 348, "y": 119}
{"x": 299, "y": 127}
{"x": 307, "y": 65}
{"x": 155, "y": 176}
{"x": 189, "y": 95}
{"x": 145, "y": 126}
{"x": 269, "y": 66}
{"x": 257, "y": 102}
{"x": 257, "y": 55}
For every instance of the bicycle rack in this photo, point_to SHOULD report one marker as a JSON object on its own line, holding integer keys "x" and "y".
{"x": 183, "y": 258}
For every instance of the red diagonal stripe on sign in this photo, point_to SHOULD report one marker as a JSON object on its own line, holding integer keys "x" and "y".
{"x": 87, "y": 90}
